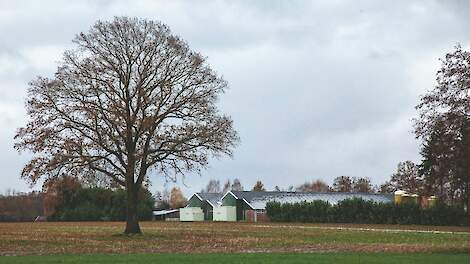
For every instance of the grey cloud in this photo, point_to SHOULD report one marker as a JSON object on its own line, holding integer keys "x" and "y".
{"x": 318, "y": 89}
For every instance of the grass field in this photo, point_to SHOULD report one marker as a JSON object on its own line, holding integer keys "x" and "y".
{"x": 71, "y": 242}
{"x": 259, "y": 258}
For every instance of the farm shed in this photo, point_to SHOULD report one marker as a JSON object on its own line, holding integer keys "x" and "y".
{"x": 166, "y": 214}
{"x": 225, "y": 213}
{"x": 201, "y": 207}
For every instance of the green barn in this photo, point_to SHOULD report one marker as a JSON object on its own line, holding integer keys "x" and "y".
{"x": 201, "y": 204}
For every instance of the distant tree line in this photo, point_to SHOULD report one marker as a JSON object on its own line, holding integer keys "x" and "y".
{"x": 399, "y": 180}
{"x": 15, "y": 206}
{"x": 67, "y": 199}
{"x": 214, "y": 186}
{"x": 367, "y": 212}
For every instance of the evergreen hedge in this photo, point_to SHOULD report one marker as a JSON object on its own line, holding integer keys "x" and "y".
{"x": 94, "y": 204}
{"x": 366, "y": 212}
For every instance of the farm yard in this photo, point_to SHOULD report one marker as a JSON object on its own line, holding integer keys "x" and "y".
{"x": 81, "y": 240}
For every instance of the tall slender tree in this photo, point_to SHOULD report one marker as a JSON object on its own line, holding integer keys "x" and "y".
{"x": 213, "y": 186}
{"x": 129, "y": 99}
{"x": 227, "y": 186}
{"x": 177, "y": 199}
{"x": 237, "y": 185}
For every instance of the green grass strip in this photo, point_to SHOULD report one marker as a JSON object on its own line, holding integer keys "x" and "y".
{"x": 260, "y": 258}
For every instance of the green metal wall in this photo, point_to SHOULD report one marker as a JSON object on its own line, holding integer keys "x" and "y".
{"x": 208, "y": 211}
{"x": 194, "y": 202}
{"x": 241, "y": 205}
{"x": 229, "y": 200}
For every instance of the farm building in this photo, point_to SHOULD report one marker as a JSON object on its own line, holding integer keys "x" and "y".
{"x": 201, "y": 207}
{"x": 251, "y": 206}
{"x": 166, "y": 214}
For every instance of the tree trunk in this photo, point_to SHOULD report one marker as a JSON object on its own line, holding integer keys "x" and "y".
{"x": 132, "y": 221}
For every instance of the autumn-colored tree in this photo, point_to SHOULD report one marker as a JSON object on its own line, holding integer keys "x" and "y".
{"x": 314, "y": 186}
{"x": 444, "y": 126}
{"x": 130, "y": 98}
{"x": 177, "y": 199}
{"x": 258, "y": 187}
{"x": 342, "y": 184}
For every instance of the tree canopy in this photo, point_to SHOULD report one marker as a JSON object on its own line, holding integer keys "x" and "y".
{"x": 443, "y": 124}
{"x": 129, "y": 98}
{"x": 258, "y": 187}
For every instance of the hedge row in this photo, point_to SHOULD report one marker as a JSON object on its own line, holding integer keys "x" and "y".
{"x": 366, "y": 212}
{"x": 92, "y": 204}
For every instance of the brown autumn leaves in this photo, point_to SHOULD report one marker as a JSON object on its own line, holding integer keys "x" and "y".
{"x": 130, "y": 98}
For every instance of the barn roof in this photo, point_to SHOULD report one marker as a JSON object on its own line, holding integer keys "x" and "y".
{"x": 165, "y": 212}
{"x": 258, "y": 200}
{"x": 212, "y": 198}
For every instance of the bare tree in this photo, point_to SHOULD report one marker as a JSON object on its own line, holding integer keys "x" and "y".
{"x": 130, "y": 98}
{"x": 162, "y": 200}
{"x": 237, "y": 185}
{"x": 213, "y": 186}
{"x": 227, "y": 186}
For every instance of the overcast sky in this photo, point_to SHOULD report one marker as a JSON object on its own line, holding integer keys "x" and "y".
{"x": 317, "y": 90}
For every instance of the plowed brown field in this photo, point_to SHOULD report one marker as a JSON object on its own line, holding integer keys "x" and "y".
{"x": 105, "y": 237}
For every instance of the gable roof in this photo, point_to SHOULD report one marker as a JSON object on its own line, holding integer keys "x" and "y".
{"x": 258, "y": 200}
{"x": 212, "y": 198}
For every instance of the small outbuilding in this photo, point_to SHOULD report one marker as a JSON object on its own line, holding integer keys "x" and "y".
{"x": 201, "y": 206}
{"x": 168, "y": 215}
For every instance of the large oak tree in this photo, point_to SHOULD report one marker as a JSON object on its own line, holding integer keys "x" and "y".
{"x": 130, "y": 98}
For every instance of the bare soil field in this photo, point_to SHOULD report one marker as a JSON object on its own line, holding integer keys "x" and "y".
{"x": 51, "y": 238}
